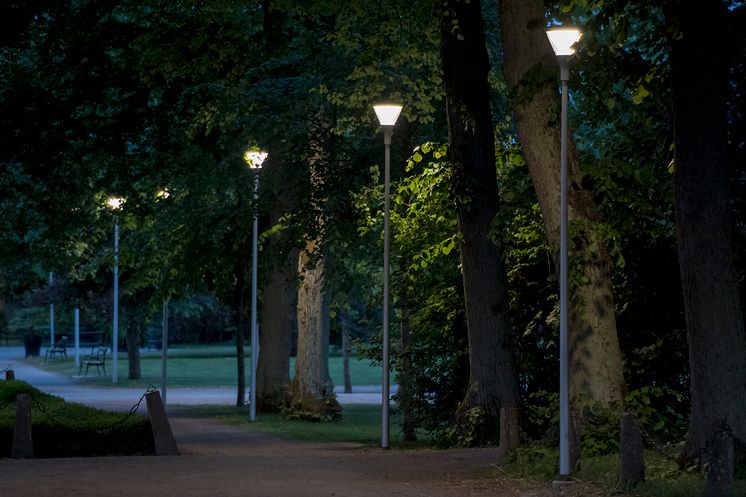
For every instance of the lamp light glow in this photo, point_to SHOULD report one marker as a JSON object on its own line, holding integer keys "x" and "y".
{"x": 387, "y": 112}
{"x": 255, "y": 158}
{"x": 115, "y": 202}
{"x": 563, "y": 40}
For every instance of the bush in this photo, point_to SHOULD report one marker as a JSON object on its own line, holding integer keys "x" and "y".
{"x": 62, "y": 429}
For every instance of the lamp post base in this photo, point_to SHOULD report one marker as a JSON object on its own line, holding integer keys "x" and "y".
{"x": 562, "y": 483}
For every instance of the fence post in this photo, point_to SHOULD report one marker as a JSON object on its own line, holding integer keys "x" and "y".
{"x": 23, "y": 447}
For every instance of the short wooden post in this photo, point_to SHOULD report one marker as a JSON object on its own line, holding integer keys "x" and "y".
{"x": 10, "y": 374}
{"x": 720, "y": 475}
{"x": 165, "y": 443}
{"x": 23, "y": 448}
{"x": 631, "y": 463}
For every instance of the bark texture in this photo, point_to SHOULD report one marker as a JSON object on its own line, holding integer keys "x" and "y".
{"x": 492, "y": 380}
{"x": 714, "y": 320}
{"x": 278, "y": 321}
{"x": 278, "y": 306}
{"x": 530, "y": 69}
{"x": 311, "y": 394}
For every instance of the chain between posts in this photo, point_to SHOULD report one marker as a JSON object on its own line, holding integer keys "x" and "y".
{"x": 54, "y": 418}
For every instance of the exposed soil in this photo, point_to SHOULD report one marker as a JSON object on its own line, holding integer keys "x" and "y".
{"x": 222, "y": 460}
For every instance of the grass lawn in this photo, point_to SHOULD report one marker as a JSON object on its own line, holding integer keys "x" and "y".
{"x": 360, "y": 424}
{"x": 199, "y": 366}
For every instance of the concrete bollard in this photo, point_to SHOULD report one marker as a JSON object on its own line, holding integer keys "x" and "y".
{"x": 165, "y": 443}
{"x": 720, "y": 478}
{"x": 23, "y": 448}
{"x": 631, "y": 462}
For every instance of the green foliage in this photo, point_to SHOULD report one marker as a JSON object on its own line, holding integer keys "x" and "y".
{"x": 661, "y": 413}
{"x": 465, "y": 433}
{"x": 61, "y": 429}
{"x": 309, "y": 408}
{"x": 601, "y": 431}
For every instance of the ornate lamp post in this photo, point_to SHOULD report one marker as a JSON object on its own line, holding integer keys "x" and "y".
{"x": 254, "y": 160}
{"x": 115, "y": 204}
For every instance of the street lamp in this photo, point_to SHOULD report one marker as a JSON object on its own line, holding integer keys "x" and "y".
{"x": 563, "y": 41}
{"x": 115, "y": 204}
{"x": 387, "y": 113}
{"x": 254, "y": 160}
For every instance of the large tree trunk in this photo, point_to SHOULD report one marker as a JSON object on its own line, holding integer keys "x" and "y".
{"x": 311, "y": 394}
{"x": 595, "y": 357}
{"x": 278, "y": 307}
{"x": 492, "y": 380}
{"x": 278, "y": 316}
{"x": 714, "y": 321}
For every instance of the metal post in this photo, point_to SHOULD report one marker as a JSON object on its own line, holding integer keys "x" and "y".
{"x": 385, "y": 364}
{"x": 564, "y": 392}
{"x": 254, "y": 330}
{"x": 164, "y": 352}
{"x": 77, "y": 336}
{"x": 115, "y": 321}
{"x": 51, "y": 311}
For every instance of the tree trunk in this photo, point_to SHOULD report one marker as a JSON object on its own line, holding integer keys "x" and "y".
{"x": 714, "y": 322}
{"x": 134, "y": 327}
{"x": 311, "y": 394}
{"x": 492, "y": 380}
{"x": 239, "y": 310}
{"x": 278, "y": 316}
{"x": 344, "y": 321}
{"x": 278, "y": 306}
{"x": 595, "y": 357}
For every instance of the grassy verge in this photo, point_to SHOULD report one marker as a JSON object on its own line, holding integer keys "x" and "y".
{"x": 663, "y": 478}
{"x": 198, "y": 366}
{"x": 360, "y": 424}
{"x": 62, "y": 429}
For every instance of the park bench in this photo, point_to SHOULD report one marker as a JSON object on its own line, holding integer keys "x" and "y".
{"x": 58, "y": 349}
{"x": 97, "y": 358}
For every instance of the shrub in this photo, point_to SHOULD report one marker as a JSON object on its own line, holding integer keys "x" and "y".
{"x": 62, "y": 429}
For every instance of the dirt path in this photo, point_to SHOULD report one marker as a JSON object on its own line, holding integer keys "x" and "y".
{"x": 220, "y": 460}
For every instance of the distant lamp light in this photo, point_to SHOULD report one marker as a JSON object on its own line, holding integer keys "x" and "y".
{"x": 563, "y": 40}
{"x": 387, "y": 112}
{"x": 254, "y": 158}
{"x": 115, "y": 202}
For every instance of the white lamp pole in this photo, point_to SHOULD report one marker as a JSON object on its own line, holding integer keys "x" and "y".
{"x": 51, "y": 311}
{"x": 562, "y": 40}
{"x": 164, "y": 350}
{"x": 254, "y": 160}
{"x": 387, "y": 114}
{"x": 115, "y": 204}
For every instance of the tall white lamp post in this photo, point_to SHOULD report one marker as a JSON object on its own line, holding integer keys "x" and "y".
{"x": 254, "y": 159}
{"x": 563, "y": 40}
{"x": 387, "y": 113}
{"x": 115, "y": 204}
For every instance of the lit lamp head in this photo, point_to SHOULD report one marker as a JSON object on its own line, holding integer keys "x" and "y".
{"x": 115, "y": 202}
{"x": 563, "y": 40}
{"x": 387, "y": 113}
{"x": 255, "y": 158}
